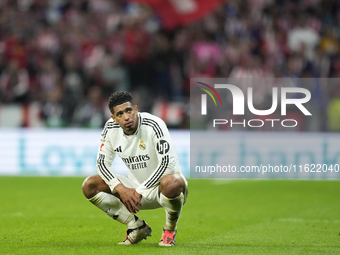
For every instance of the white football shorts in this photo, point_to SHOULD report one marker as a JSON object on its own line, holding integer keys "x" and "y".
{"x": 152, "y": 201}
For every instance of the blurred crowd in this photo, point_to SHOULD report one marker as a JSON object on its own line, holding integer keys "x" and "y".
{"x": 69, "y": 56}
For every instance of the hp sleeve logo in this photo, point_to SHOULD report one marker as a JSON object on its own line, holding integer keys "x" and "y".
{"x": 163, "y": 147}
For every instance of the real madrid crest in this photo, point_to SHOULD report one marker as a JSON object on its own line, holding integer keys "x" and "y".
{"x": 142, "y": 145}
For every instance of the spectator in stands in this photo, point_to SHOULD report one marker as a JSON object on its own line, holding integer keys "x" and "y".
{"x": 14, "y": 84}
{"x": 136, "y": 52}
{"x": 48, "y": 76}
{"x": 302, "y": 38}
{"x": 90, "y": 113}
{"x": 333, "y": 111}
{"x": 114, "y": 75}
{"x": 162, "y": 60}
{"x": 57, "y": 110}
{"x": 329, "y": 43}
{"x": 73, "y": 76}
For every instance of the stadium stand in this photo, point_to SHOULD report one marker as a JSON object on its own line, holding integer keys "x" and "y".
{"x": 63, "y": 55}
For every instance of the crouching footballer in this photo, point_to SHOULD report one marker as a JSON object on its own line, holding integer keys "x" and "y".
{"x": 154, "y": 179}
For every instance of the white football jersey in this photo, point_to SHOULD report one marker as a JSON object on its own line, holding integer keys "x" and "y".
{"x": 148, "y": 153}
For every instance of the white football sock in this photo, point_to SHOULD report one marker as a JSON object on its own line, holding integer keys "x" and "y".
{"x": 114, "y": 208}
{"x": 173, "y": 208}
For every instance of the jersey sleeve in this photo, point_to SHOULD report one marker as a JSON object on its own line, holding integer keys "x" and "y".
{"x": 166, "y": 159}
{"x": 105, "y": 158}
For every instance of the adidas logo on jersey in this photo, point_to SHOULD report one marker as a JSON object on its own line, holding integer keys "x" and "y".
{"x": 118, "y": 149}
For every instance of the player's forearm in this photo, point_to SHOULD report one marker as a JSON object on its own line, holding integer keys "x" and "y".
{"x": 103, "y": 165}
{"x": 112, "y": 182}
{"x": 120, "y": 188}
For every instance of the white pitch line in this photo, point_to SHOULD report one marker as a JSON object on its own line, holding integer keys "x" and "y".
{"x": 301, "y": 220}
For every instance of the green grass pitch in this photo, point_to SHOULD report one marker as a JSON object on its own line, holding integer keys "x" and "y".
{"x": 41, "y": 215}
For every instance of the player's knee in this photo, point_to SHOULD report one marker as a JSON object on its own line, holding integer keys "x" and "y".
{"x": 171, "y": 186}
{"x": 89, "y": 187}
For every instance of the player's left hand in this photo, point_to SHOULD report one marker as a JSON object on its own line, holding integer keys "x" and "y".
{"x": 139, "y": 196}
{"x": 129, "y": 198}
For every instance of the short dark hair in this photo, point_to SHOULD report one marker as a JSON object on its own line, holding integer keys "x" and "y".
{"x": 118, "y": 98}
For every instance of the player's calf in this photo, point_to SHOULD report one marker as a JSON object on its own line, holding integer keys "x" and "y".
{"x": 172, "y": 196}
